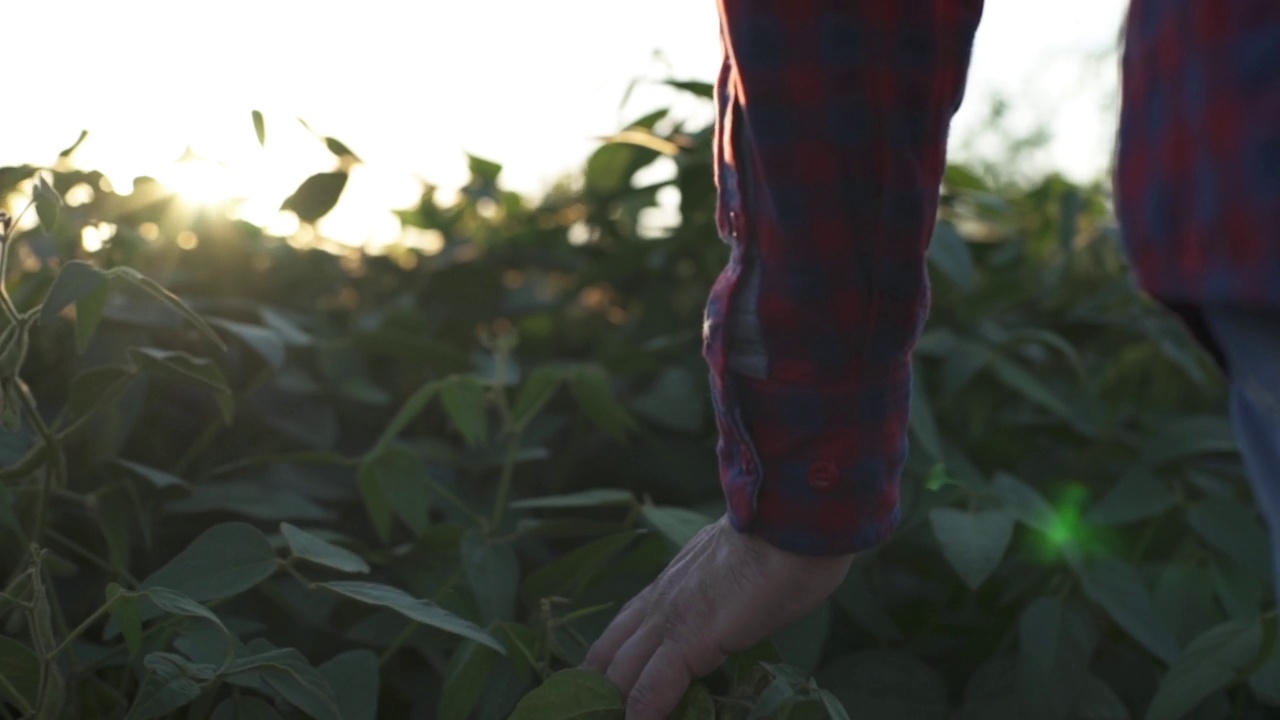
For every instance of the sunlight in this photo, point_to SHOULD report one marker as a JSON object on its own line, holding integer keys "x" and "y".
{"x": 200, "y": 180}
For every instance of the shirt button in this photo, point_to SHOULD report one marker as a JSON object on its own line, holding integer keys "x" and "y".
{"x": 823, "y": 475}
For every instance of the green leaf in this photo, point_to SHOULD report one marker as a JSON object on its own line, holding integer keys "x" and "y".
{"x": 48, "y": 202}
{"x": 464, "y": 402}
{"x": 316, "y": 196}
{"x": 245, "y": 707}
{"x": 674, "y": 402}
{"x": 591, "y": 391}
{"x": 801, "y": 643}
{"x": 1266, "y": 681}
{"x": 353, "y": 675}
{"x": 676, "y": 524}
{"x": 20, "y": 667}
{"x": 1211, "y": 662}
{"x": 974, "y": 543}
{"x": 572, "y": 695}
{"x": 223, "y": 561}
{"x": 422, "y": 611}
{"x": 886, "y": 683}
{"x": 493, "y": 572}
{"x": 1118, "y": 588}
{"x": 833, "y": 706}
{"x": 287, "y": 671}
{"x": 77, "y": 280}
{"x": 465, "y": 679}
{"x": 570, "y": 574}
{"x": 1239, "y": 590}
{"x": 89, "y": 311}
{"x": 158, "y": 479}
{"x": 339, "y": 148}
{"x": 696, "y": 704}
{"x": 1024, "y": 502}
{"x": 1095, "y": 700}
{"x": 1138, "y": 496}
{"x": 923, "y": 423}
{"x": 127, "y": 613}
{"x": 949, "y": 254}
{"x": 96, "y": 388}
{"x": 175, "y": 603}
{"x": 1017, "y": 378}
{"x": 321, "y": 552}
{"x": 1233, "y": 529}
{"x": 599, "y": 497}
{"x": 260, "y": 128}
{"x": 778, "y": 695}
{"x": 395, "y": 483}
{"x": 416, "y": 403}
{"x": 168, "y": 685}
{"x": 1055, "y": 644}
{"x": 66, "y": 152}
{"x": 535, "y": 393}
{"x": 265, "y": 342}
{"x": 697, "y": 87}
{"x": 181, "y": 367}
{"x": 158, "y": 291}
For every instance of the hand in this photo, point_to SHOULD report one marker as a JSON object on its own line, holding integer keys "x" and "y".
{"x": 722, "y": 594}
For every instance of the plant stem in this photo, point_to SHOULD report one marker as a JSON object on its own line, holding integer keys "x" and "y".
{"x": 71, "y": 636}
{"x": 504, "y": 483}
{"x": 54, "y": 464}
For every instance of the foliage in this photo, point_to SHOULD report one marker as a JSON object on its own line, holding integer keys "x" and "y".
{"x": 347, "y": 485}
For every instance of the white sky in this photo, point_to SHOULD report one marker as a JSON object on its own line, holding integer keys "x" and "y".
{"x": 412, "y": 85}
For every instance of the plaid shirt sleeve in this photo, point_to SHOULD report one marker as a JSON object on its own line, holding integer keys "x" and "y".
{"x": 832, "y": 120}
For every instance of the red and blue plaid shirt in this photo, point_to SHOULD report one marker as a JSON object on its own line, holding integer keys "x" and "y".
{"x": 831, "y": 137}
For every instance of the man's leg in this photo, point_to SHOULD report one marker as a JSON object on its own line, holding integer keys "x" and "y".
{"x": 1250, "y": 340}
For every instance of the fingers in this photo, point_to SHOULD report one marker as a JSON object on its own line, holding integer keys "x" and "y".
{"x": 634, "y": 656}
{"x": 619, "y": 631}
{"x": 665, "y": 679}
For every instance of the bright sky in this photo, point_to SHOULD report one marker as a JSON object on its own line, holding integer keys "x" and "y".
{"x": 413, "y": 85}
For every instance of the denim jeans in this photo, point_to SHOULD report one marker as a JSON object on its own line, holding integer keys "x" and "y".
{"x": 1250, "y": 340}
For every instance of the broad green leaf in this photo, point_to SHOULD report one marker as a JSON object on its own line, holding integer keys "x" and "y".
{"x": 1233, "y": 528}
{"x": 949, "y": 254}
{"x": 1188, "y": 436}
{"x": 1024, "y": 502}
{"x": 1239, "y": 590}
{"x": 316, "y": 196}
{"x": 835, "y": 709}
{"x": 1118, "y": 588}
{"x": 886, "y": 683}
{"x": 864, "y": 606}
{"x": 48, "y": 203}
{"x": 572, "y": 695}
{"x": 1211, "y": 662}
{"x": 287, "y": 671}
{"x": 322, "y": 552}
{"x": 923, "y": 423}
{"x": 1266, "y": 681}
{"x": 245, "y": 707}
{"x": 20, "y": 667}
{"x": 591, "y": 391}
{"x": 674, "y": 401}
{"x": 422, "y": 611}
{"x": 412, "y": 407}
{"x": 777, "y": 696}
{"x": 465, "y": 679}
{"x": 223, "y": 561}
{"x": 127, "y": 613}
{"x": 598, "y": 497}
{"x": 181, "y": 367}
{"x": 538, "y": 389}
{"x": 353, "y": 675}
{"x": 89, "y": 310}
{"x": 974, "y": 543}
{"x": 175, "y": 603}
{"x": 676, "y": 524}
{"x": 1095, "y": 700}
{"x": 696, "y": 87}
{"x": 97, "y": 388}
{"x": 801, "y": 643}
{"x": 158, "y": 479}
{"x": 1184, "y": 599}
{"x": 1138, "y": 496}
{"x": 493, "y": 571}
{"x": 464, "y": 401}
{"x": 1029, "y": 386}
{"x": 396, "y": 480}
{"x": 1055, "y": 645}
{"x": 339, "y": 148}
{"x": 265, "y": 342}
{"x": 569, "y": 574}
{"x": 696, "y": 704}
{"x": 158, "y": 291}
{"x": 77, "y": 280}
{"x": 168, "y": 685}
{"x": 260, "y": 128}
